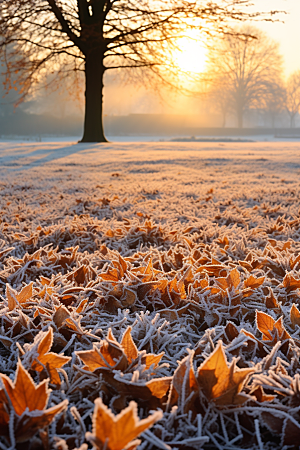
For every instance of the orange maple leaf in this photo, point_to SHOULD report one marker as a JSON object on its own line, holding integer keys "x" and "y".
{"x": 118, "y": 432}
{"x": 295, "y": 316}
{"x": 221, "y": 383}
{"x": 117, "y": 356}
{"x": 15, "y": 298}
{"x": 271, "y": 330}
{"x": 290, "y": 283}
{"x": 108, "y": 355}
{"x": 252, "y": 283}
{"x": 46, "y": 360}
{"x": 184, "y": 388}
{"x": 21, "y": 398}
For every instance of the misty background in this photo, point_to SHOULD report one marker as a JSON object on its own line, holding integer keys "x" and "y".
{"x": 207, "y": 106}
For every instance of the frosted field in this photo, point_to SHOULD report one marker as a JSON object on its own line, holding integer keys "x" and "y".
{"x": 167, "y": 181}
{"x": 195, "y": 246}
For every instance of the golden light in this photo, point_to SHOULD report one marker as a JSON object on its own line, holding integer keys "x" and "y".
{"x": 191, "y": 54}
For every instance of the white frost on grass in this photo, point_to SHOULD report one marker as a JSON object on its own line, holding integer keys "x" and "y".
{"x": 87, "y": 204}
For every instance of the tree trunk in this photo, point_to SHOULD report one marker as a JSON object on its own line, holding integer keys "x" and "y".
{"x": 224, "y": 114}
{"x": 273, "y": 121}
{"x": 292, "y": 120}
{"x": 93, "y": 120}
{"x": 240, "y": 119}
{"x": 240, "y": 115}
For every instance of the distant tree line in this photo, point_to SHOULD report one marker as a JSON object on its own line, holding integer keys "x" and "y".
{"x": 245, "y": 72}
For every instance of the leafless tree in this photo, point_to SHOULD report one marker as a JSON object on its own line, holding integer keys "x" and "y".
{"x": 293, "y": 96}
{"x": 219, "y": 97}
{"x": 93, "y": 36}
{"x": 243, "y": 67}
{"x": 275, "y": 100}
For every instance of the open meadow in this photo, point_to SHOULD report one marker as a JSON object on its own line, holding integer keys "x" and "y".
{"x": 162, "y": 273}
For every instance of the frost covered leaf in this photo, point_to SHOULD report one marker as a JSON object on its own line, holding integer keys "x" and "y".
{"x": 27, "y": 402}
{"x": 252, "y": 283}
{"x": 184, "y": 388}
{"x": 261, "y": 396}
{"x": 117, "y": 356}
{"x": 295, "y": 316}
{"x": 271, "y": 330}
{"x": 221, "y": 383}
{"x": 118, "y": 432}
{"x": 108, "y": 355}
{"x": 265, "y": 323}
{"x": 60, "y": 315}
{"x": 14, "y": 298}
{"x": 129, "y": 346}
{"x": 290, "y": 283}
{"x": 46, "y": 360}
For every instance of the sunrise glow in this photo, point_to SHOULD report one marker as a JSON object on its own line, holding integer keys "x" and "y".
{"x": 191, "y": 54}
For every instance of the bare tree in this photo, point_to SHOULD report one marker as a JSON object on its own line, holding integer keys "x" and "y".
{"x": 293, "y": 96}
{"x": 275, "y": 100}
{"x": 219, "y": 97}
{"x": 93, "y": 36}
{"x": 243, "y": 67}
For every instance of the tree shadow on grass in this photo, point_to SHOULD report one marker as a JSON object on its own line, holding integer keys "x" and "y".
{"x": 13, "y": 162}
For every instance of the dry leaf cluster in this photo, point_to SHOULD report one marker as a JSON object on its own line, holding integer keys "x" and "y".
{"x": 114, "y": 326}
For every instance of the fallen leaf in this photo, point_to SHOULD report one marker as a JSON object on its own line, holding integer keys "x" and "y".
{"x": 221, "y": 383}
{"x": 47, "y": 360}
{"x": 118, "y": 432}
{"x": 27, "y": 403}
{"x": 271, "y": 330}
{"x": 108, "y": 354}
{"x": 14, "y": 298}
{"x": 184, "y": 387}
{"x": 295, "y": 316}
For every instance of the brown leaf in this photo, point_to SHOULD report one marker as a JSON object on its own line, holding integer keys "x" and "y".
{"x": 261, "y": 396}
{"x": 152, "y": 392}
{"x": 271, "y": 302}
{"x": 129, "y": 346}
{"x": 234, "y": 278}
{"x": 150, "y": 359}
{"x": 14, "y": 298}
{"x": 291, "y": 433}
{"x": 253, "y": 282}
{"x": 128, "y": 298}
{"x": 271, "y": 330}
{"x": 50, "y": 361}
{"x": 290, "y": 283}
{"x": 60, "y": 315}
{"x": 231, "y": 331}
{"x": 295, "y": 316}
{"x": 22, "y": 397}
{"x": 27, "y": 426}
{"x": 221, "y": 383}
{"x": 184, "y": 388}
{"x": 108, "y": 355}
{"x": 23, "y": 393}
{"x": 118, "y": 432}
{"x": 255, "y": 343}
{"x": 117, "y": 356}
{"x": 265, "y": 323}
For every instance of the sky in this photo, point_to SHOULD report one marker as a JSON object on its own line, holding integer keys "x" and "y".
{"x": 287, "y": 33}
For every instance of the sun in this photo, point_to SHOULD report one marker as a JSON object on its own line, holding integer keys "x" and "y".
{"x": 190, "y": 55}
